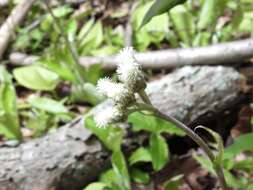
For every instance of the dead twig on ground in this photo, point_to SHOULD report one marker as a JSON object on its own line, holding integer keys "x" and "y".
{"x": 15, "y": 18}
{"x": 224, "y": 53}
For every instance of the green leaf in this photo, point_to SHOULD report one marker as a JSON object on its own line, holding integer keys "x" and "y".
{"x": 86, "y": 93}
{"x": 96, "y": 186}
{"x": 242, "y": 143}
{"x": 71, "y": 30}
{"x": 250, "y": 186}
{"x": 48, "y": 105}
{"x": 106, "y": 135}
{"x": 109, "y": 177}
{"x": 173, "y": 183}
{"x": 210, "y": 11}
{"x": 152, "y": 124}
{"x": 58, "y": 12}
{"x": 85, "y": 29}
{"x": 40, "y": 122}
{"x": 153, "y": 32}
{"x": 139, "y": 176}
{"x": 160, "y": 7}
{"x": 61, "y": 63}
{"x": 245, "y": 165}
{"x": 232, "y": 181}
{"x": 140, "y": 155}
{"x": 9, "y": 122}
{"x": 93, "y": 39}
{"x": 159, "y": 151}
{"x": 120, "y": 168}
{"x": 201, "y": 39}
{"x": 183, "y": 24}
{"x": 93, "y": 73}
{"x": 219, "y": 144}
{"x": 204, "y": 162}
{"x": 36, "y": 78}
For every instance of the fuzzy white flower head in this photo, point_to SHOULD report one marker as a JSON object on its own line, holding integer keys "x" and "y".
{"x": 115, "y": 91}
{"x": 129, "y": 70}
{"x": 108, "y": 116}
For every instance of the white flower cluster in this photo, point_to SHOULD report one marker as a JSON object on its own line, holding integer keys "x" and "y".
{"x": 131, "y": 81}
{"x": 129, "y": 70}
{"x": 108, "y": 116}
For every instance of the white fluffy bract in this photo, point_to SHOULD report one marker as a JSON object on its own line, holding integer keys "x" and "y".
{"x": 128, "y": 69}
{"x": 107, "y": 116}
{"x": 111, "y": 89}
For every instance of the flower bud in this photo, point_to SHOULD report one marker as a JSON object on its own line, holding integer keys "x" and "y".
{"x": 129, "y": 70}
{"x": 108, "y": 116}
{"x": 116, "y": 91}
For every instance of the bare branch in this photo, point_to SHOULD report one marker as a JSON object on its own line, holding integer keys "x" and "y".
{"x": 224, "y": 53}
{"x": 214, "y": 54}
{"x": 15, "y": 18}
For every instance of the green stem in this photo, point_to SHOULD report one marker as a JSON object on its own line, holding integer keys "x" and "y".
{"x": 68, "y": 43}
{"x": 144, "y": 97}
{"x": 196, "y": 138}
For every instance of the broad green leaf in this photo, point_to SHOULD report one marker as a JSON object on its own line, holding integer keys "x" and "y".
{"x": 36, "y": 78}
{"x": 204, "y": 162}
{"x": 210, "y": 11}
{"x": 245, "y": 165}
{"x": 201, "y": 39}
{"x": 159, "y": 151}
{"x": 58, "y": 12}
{"x": 152, "y": 124}
{"x": 160, "y": 7}
{"x": 120, "y": 168}
{"x": 109, "y": 177}
{"x": 9, "y": 121}
{"x": 40, "y": 122}
{"x": 173, "y": 183}
{"x": 153, "y": 32}
{"x": 58, "y": 66}
{"x": 96, "y": 186}
{"x": 246, "y": 24}
{"x": 93, "y": 73}
{"x": 64, "y": 65}
{"x": 48, "y": 105}
{"x": 237, "y": 17}
{"x": 110, "y": 136}
{"x": 242, "y": 143}
{"x": 233, "y": 182}
{"x": 139, "y": 176}
{"x": 140, "y": 155}
{"x": 62, "y": 11}
{"x": 86, "y": 92}
{"x": 183, "y": 24}
{"x": 6, "y": 128}
{"x": 85, "y": 29}
{"x": 105, "y": 51}
{"x": 93, "y": 39}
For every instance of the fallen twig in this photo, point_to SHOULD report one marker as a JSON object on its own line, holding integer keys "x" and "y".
{"x": 229, "y": 52}
{"x": 14, "y": 19}
{"x": 214, "y": 54}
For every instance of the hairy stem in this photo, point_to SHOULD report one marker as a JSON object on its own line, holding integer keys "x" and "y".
{"x": 195, "y": 137}
{"x": 144, "y": 97}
